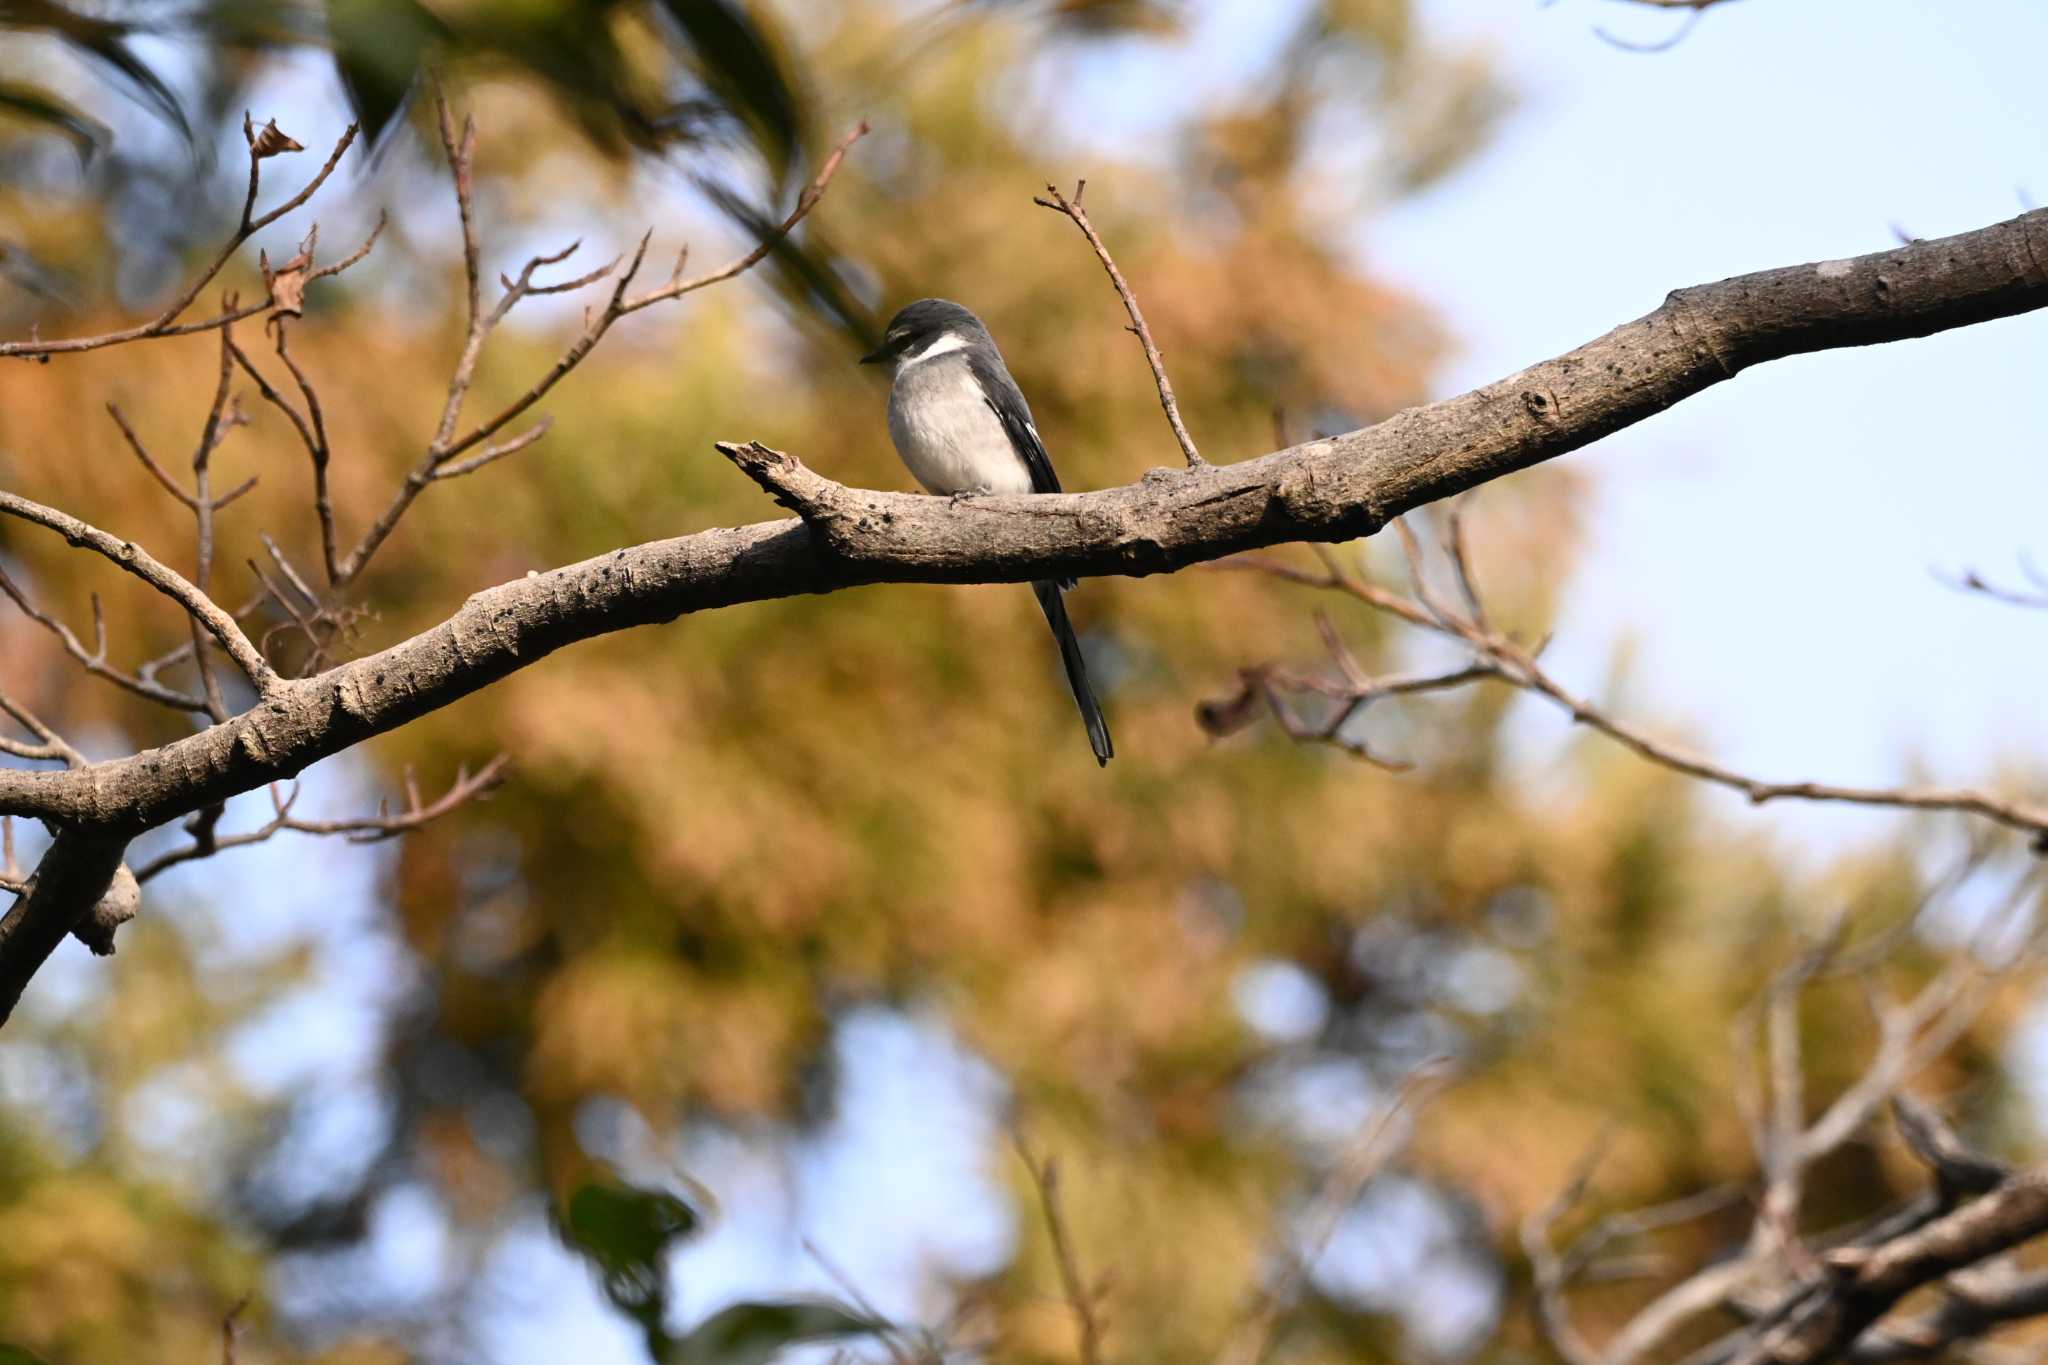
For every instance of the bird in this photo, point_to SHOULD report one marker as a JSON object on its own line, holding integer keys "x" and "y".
{"x": 961, "y": 425}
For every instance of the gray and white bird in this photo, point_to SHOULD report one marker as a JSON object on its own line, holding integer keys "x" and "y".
{"x": 962, "y": 426}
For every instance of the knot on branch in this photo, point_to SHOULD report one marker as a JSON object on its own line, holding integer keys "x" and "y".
{"x": 118, "y": 905}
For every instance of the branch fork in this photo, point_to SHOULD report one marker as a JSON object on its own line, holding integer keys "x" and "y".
{"x": 1332, "y": 489}
{"x": 82, "y": 887}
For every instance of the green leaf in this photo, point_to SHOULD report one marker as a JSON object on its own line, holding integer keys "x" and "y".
{"x": 755, "y": 1333}
{"x": 808, "y": 270}
{"x": 627, "y": 1231}
{"x": 576, "y": 53}
{"x": 18, "y": 1355}
{"x": 740, "y": 64}
{"x": 380, "y": 49}
{"x": 86, "y": 136}
{"x": 104, "y": 41}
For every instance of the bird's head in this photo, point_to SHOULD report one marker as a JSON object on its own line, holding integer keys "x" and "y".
{"x": 919, "y": 327}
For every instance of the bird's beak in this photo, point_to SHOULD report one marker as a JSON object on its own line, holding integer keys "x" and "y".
{"x": 878, "y": 355}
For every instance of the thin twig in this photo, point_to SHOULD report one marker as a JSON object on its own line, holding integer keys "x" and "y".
{"x": 1788, "y": 1284}
{"x": 1045, "y": 1180}
{"x": 132, "y": 558}
{"x": 229, "y": 1328}
{"x": 166, "y": 323}
{"x": 317, "y": 449}
{"x": 1665, "y": 44}
{"x": 1059, "y": 203}
{"x": 205, "y": 842}
{"x": 2034, "y": 599}
{"x": 51, "y": 746}
{"x": 149, "y": 462}
{"x": 219, "y": 420}
{"x": 806, "y": 200}
{"x": 446, "y": 446}
{"x": 177, "y": 654}
{"x": 900, "y": 1352}
{"x": 490, "y": 454}
{"x": 94, "y": 660}
{"x": 1551, "y": 1272}
{"x": 1501, "y": 658}
{"x": 1340, "y": 1191}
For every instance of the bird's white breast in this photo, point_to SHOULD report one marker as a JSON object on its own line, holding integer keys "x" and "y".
{"x": 946, "y": 432}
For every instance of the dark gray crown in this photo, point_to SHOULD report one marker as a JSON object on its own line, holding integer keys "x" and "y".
{"x": 926, "y": 318}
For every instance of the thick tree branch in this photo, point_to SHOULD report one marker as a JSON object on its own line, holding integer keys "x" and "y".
{"x": 76, "y": 872}
{"x": 1332, "y": 489}
{"x": 1864, "y": 1282}
{"x": 1796, "y": 1290}
{"x": 446, "y": 445}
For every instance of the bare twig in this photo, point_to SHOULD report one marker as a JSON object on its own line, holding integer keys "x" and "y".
{"x": 204, "y": 842}
{"x": 807, "y": 199}
{"x": 1045, "y": 1179}
{"x": 317, "y": 450}
{"x": 149, "y": 462}
{"x": 311, "y": 427}
{"x": 1339, "y": 1192}
{"x": 220, "y": 419}
{"x": 1665, "y": 44}
{"x": 1791, "y": 1287}
{"x": 1059, "y": 203}
{"x": 49, "y": 744}
{"x": 1550, "y": 1271}
{"x": 2034, "y": 597}
{"x": 1349, "y": 695}
{"x": 178, "y": 654}
{"x": 901, "y": 1352}
{"x": 166, "y": 323}
{"x": 1959, "y": 1170}
{"x": 446, "y": 445}
{"x": 1499, "y": 657}
{"x": 490, "y": 454}
{"x": 132, "y": 558}
{"x": 229, "y": 1324}
{"x": 94, "y": 660}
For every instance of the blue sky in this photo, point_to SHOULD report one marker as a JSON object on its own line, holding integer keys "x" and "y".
{"x": 1764, "y": 551}
{"x": 1767, "y": 545}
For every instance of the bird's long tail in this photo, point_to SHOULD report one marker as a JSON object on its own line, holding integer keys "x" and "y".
{"x": 1050, "y": 600}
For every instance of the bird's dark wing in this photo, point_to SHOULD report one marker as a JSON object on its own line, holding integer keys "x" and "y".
{"x": 1007, "y": 401}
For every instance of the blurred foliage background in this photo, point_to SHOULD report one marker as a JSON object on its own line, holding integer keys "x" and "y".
{"x": 731, "y": 844}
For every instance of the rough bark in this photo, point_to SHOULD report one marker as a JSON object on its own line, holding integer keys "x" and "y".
{"x": 76, "y": 872}
{"x": 1327, "y": 490}
{"x": 1863, "y": 1284}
